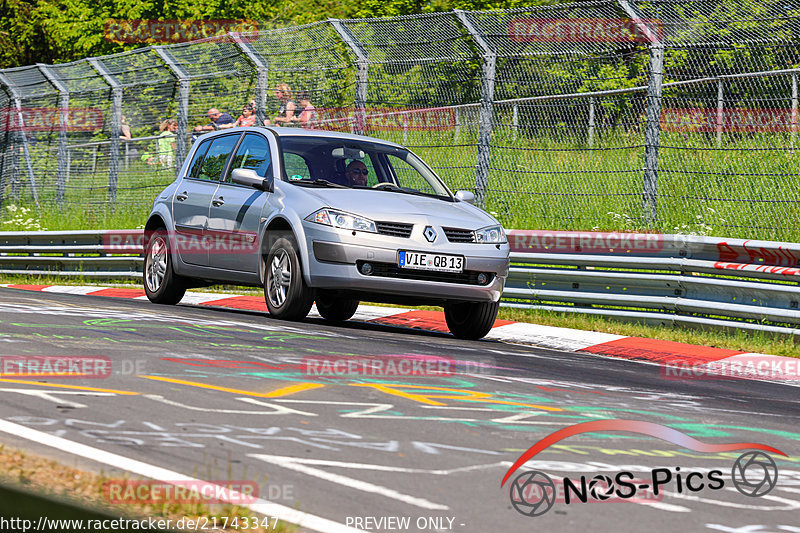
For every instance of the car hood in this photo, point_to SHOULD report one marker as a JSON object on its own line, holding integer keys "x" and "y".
{"x": 400, "y": 207}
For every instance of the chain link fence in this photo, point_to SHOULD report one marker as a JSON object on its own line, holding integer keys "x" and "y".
{"x": 674, "y": 116}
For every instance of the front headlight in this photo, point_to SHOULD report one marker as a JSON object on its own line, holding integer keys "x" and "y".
{"x": 491, "y": 235}
{"x": 340, "y": 219}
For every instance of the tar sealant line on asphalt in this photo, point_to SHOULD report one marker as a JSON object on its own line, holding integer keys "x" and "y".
{"x": 602, "y": 344}
{"x": 261, "y": 506}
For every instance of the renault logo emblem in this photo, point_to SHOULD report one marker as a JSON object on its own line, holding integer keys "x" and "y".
{"x": 430, "y": 233}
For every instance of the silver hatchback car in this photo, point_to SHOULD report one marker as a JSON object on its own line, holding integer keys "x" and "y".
{"x": 326, "y": 217}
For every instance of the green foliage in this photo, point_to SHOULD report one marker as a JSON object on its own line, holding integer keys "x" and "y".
{"x": 58, "y": 31}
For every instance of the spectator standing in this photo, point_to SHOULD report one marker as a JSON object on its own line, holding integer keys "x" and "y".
{"x": 166, "y": 142}
{"x": 286, "y": 111}
{"x": 308, "y": 113}
{"x": 125, "y": 129}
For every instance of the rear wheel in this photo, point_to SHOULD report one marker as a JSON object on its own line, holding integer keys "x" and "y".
{"x": 287, "y": 295}
{"x": 161, "y": 284}
{"x": 471, "y": 320}
{"x": 335, "y": 309}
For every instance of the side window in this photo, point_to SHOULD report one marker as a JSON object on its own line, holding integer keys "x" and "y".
{"x": 408, "y": 177}
{"x": 217, "y": 155}
{"x": 253, "y": 153}
{"x": 296, "y": 167}
{"x": 197, "y": 160}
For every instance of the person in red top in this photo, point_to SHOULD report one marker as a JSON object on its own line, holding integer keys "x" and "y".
{"x": 247, "y": 118}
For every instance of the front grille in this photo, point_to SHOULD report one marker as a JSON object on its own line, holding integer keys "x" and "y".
{"x": 395, "y": 229}
{"x": 390, "y": 270}
{"x": 459, "y": 235}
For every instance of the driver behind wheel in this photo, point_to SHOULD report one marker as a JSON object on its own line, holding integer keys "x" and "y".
{"x": 356, "y": 174}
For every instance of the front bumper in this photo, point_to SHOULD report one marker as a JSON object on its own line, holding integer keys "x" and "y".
{"x": 335, "y": 257}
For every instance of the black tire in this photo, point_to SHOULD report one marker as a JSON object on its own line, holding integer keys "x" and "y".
{"x": 335, "y": 309}
{"x": 471, "y": 320}
{"x": 161, "y": 284}
{"x": 285, "y": 291}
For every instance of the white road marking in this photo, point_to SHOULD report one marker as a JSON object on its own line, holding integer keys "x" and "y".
{"x": 261, "y": 506}
{"x": 299, "y": 465}
{"x": 53, "y": 395}
{"x": 276, "y": 409}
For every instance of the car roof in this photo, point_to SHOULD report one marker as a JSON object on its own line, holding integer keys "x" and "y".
{"x": 300, "y": 132}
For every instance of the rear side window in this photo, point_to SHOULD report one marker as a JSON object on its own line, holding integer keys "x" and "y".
{"x": 197, "y": 160}
{"x": 216, "y": 157}
{"x": 296, "y": 167}
{"x": 253, "y": 153}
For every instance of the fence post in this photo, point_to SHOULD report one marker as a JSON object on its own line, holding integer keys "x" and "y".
{"x": 181, "y": 148}
{"x": 21, "y": 133}
{"x": 362, "y": 73}
{"x": 262, "y": 68}
{"x": 116, "y": 127}
{"x": 590, "y": 132}
{"x": 652, "y": 130}
{"x": 63, "y": 123}
{"x": 515, "y": 120}
{"x": 794, "y": 108}
{"x": 720, "y": 111}
{"x": 487, "y": 107}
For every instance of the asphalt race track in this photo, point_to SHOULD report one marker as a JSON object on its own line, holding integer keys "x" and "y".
{"x": 230, "y": 395}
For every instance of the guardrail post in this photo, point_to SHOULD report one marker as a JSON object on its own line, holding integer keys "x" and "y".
{"x": 262, "y": 68}
{"x": 652, "y": 131}
{"x": 720, "y": 111}
{"x": 21, "y": 134}
{"x": 181, "y": 147}
{"x": 794, "y": 108}
{"x": 116, "y": 127}
{"x": 63, "y": 113}
{"x": 590, "y": 132}
{"x": 362, "y": 73}
{"x": 486, "y": 109}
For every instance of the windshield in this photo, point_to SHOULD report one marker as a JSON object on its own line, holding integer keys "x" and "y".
{"x": 326, "y": 162}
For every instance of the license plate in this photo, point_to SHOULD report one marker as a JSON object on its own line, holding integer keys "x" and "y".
{"x": 426, "y": 261}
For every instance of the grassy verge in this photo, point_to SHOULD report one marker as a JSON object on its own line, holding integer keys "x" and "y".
{"x": 48, "y": 477}
{"x": 746, "y": 341}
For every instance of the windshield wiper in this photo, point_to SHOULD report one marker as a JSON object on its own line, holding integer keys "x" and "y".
{"x": 320, "y": 182}
{"x": 391, "y": 187}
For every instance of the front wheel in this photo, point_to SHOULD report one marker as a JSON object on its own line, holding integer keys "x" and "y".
{"x": 335, "y": 309}
{"x": 287, "y": 295}
{"x": 471, "y": 320}
{"x": 161, "y": 284}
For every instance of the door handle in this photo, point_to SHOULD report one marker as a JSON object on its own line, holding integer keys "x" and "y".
{"x": 216, "y": 202}
{"x": 181, "y": 196}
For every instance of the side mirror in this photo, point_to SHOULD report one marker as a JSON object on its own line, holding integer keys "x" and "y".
{"x": 465, "y": 196}
{"x": 248, "y": 176}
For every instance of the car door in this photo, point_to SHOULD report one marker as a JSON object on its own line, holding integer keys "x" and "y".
{"x": 193, "y": 196}
{"x": 236, "y": 210}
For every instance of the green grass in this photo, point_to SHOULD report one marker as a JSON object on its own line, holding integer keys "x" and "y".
{"x": 746, "y": 341}
{"x": 747, "y": 190}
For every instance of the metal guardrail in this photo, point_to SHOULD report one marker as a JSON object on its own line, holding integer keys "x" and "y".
{"x": 654, "y": 278}
{"x": 87, "y": 254}
{"x": 657, "y": 278}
